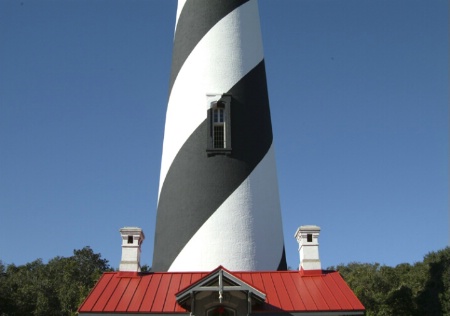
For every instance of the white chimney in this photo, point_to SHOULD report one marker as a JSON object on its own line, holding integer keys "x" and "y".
{"x": 307, "y": 237}
{"x": 132, "y": 238}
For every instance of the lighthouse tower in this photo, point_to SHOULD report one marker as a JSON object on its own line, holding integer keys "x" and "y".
{"x": 218, "y": 196}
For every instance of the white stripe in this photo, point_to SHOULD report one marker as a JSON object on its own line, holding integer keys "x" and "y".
{"x": 227, "y": 52}
{"x": 245, "y": 232}
{"x": 180, "y": 6}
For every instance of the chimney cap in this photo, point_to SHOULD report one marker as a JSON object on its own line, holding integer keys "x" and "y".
{"x": 307, "y": 228}
{"x": 131, "y": 229}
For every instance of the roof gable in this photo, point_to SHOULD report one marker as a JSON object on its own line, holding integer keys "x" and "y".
{"x": 219, "y": 280}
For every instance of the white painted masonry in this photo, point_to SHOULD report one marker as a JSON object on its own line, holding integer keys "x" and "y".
{"x": 307, "y": 238}
{"x": 132, "y": 238}
{"x": 243, "y": 232}
{"x": 231, "y": 221}
{"x": 227, "y": 53}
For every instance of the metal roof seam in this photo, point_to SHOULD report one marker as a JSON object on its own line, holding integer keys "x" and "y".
{"x": 192, "y": 279}
{"x": 297, "y": 289}
{"x": 164, "y": 287}
{"x": 121, "y": 295}
{"x": 285, "y": 300}
{"x": 103, "y": 291}
{"x": 153, "y": 296}
{"x": 257, "y": 278}
{"x": 294, "y": 278}
{"x": 272, "y": 286}
{"x": 245, "y": 284}
{"x": 112, "y": 281}
{"x": 129, "y": 302}
{"x": 177, "y": 290}
{"x": 184, "y": 282}
{"x": 167, "y": 298}
{"x": 251, "y": 280}
{"x": 167, "y": 301}
{"x": 141, "y": 289}
{"x": 287, "y": 290}
{"x": 303, "y": 278}
{"x": 340, "y": 285}
{"x": 92, "y": 291}
{"x": 320, "y": 287}
{"x": 181, "y": 285}
{"x": 287, "y": 278}
{"x": 342, "y": 294}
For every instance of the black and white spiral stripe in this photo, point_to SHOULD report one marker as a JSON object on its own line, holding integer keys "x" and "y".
{"x": 222, "y": 209}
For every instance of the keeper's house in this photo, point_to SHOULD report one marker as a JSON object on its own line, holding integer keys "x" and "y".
{"x": 308, "y": 291}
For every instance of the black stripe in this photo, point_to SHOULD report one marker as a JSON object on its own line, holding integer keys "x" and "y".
{"x": 196, "y": 19}
{"x": 196, "y": 185}
{"x": 283, "y": 264}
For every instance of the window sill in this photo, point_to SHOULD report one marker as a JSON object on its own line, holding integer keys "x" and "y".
{"x": 218, "y": 151}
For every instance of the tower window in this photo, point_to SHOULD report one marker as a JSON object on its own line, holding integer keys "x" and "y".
{"x": 219, "y": 139}
{"x": 130, "y": 239}
{"x": 219, "y": 125}
{"x": 309, "y": 237}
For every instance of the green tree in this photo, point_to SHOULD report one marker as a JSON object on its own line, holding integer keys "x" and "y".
{"x": 23, "y": 288}
{"x": 55, "y": 288}
{"x": 434, "y": 299}
{"x": 146, "y": 268}
{"x": 419, "y": 289}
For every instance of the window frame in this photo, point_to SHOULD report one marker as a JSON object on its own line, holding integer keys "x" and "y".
{"x": 215, "y": 103}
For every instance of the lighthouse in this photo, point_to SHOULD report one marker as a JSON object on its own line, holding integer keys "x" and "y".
{"x": 218, "y": 202}
{"x": 219, "y": 237}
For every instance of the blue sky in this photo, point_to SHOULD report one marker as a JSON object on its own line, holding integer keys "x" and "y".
{"x": 359, "y": 100}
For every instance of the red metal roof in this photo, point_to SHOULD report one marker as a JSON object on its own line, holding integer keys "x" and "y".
{"x": 291, "y": 291}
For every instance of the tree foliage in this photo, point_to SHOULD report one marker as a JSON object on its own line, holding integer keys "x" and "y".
{"x": 55, "y": 288}
{"x": 60, "y": 286}
{"x": 419, "y": 289}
